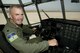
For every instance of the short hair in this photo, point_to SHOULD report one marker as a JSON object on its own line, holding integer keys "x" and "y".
{"x": 14, "y": 6}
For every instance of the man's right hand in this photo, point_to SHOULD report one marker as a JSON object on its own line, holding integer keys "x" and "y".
{"x": 53, "y": 42}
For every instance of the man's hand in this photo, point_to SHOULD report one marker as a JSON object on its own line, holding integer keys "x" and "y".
{"x": 53, "y": 42}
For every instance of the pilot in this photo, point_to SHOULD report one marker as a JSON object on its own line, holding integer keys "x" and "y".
{"x": 15, "y": 31}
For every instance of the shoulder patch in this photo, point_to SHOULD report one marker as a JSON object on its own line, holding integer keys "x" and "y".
{"x": 12, "y": 36}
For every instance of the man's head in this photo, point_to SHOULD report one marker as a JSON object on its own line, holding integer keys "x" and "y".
{"x": 16, "y": 14}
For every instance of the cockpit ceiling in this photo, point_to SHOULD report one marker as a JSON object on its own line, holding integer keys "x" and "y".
{"x": 48, "y": 6}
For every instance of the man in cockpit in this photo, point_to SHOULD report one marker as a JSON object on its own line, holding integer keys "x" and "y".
{"x": 15, "y": 31}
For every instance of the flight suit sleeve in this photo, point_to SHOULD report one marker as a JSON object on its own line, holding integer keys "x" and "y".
{"x": 22, "y": 45}
{"x": 30, "y": 47}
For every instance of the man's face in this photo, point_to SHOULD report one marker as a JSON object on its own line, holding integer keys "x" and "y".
{"x": 17, "y": 16}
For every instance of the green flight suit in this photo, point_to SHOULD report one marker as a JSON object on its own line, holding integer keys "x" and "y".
{"x": 15, "y": 37}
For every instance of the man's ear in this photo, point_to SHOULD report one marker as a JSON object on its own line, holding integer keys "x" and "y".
{"x": 10, "y": 16}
